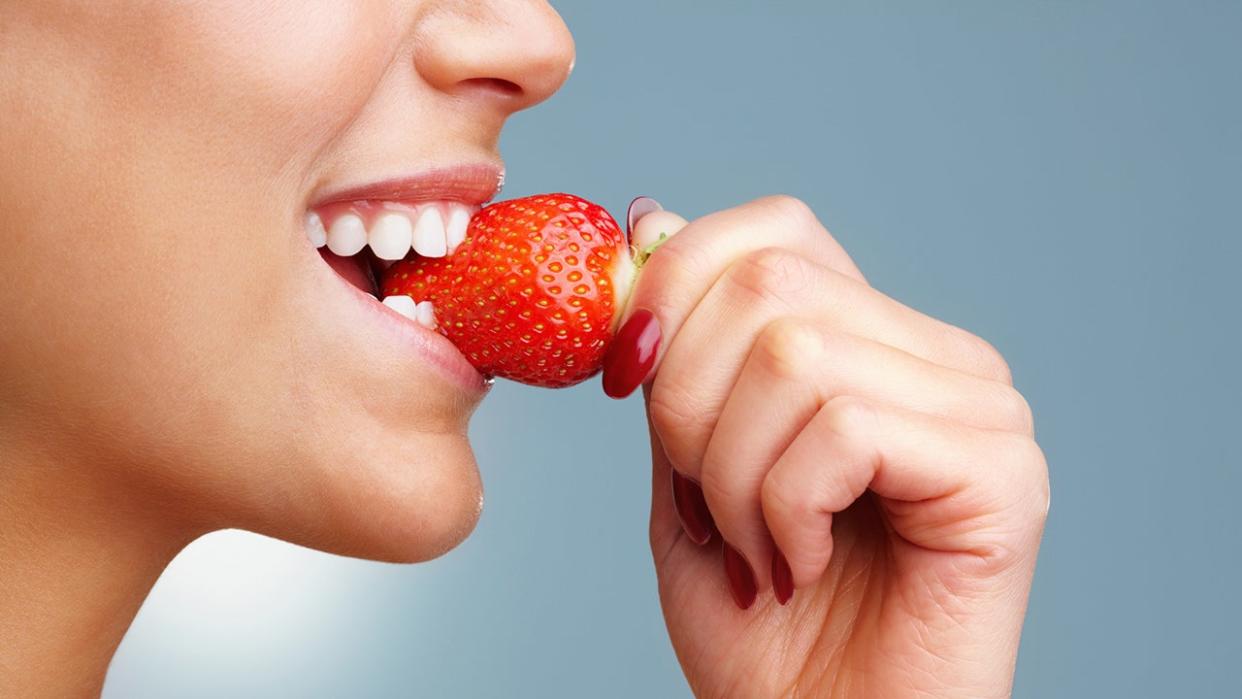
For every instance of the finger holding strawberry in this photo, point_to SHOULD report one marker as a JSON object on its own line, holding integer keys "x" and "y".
{"x": 848, "y": 497}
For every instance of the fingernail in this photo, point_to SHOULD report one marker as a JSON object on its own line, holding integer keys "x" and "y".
{"x": 641, "y": 206}
{"x": 741, "y": 577}
{"x": 631, "y": 354}
{"x": 696, "y": 519}
{"x": 782, "y": 578}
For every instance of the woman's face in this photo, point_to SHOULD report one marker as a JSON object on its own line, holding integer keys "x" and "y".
{"x": 164, "y": 317}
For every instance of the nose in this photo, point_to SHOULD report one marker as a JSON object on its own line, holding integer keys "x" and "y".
{"x": 513, "y": 53}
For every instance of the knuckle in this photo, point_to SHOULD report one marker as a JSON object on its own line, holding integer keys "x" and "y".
{"x": 676, "y": 255}
{"x": 848, "y": 416}
{"x": 1016, "y": 411}
{"x": 783, "y": 500}
{"x": 789, "y": 348}
{"x": 1031, "y": 486}
{"x": 666, "y": 410}
{"x": 772, "y": 274}
{"x": 719, "y": 487}
{"x": 1037, "y": 466}
{"x": 674, "y": 413}
{"x": 981, "y": 354}
{"x": 788, "y": 210}
{"x": 991, "y": 361}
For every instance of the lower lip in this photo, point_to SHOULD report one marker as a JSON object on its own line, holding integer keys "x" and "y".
{"x": 435, "y": 349}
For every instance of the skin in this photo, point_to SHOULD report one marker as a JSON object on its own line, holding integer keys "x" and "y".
{"x": 885, "y": 453}
{"x": 173, "y": 361}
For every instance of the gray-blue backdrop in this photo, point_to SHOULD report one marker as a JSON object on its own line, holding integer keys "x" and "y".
{"x": 1063, "y": 178}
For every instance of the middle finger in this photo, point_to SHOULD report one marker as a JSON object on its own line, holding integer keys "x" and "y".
{"x": 705, "y": 357}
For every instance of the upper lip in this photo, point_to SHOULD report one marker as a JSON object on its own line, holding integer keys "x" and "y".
{"x": 470, "y": 184}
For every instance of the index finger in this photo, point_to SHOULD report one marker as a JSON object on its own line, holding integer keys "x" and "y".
{"x": 681, "y": 271}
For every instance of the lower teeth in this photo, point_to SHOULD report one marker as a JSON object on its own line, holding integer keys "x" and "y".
{"x": 422, "y": 313}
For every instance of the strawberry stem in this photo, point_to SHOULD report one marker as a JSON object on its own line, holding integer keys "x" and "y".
{"x": 640, "y": 258}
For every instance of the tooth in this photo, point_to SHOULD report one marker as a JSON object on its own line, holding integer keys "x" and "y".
{"x": 429, "y": 233}
{"x": 314, "y": 230}
{"x": 426, "y": 314}
{"x": 347, "y": 235}
{"x": 403, "y": 305}
{"x": 455, "y": 229}
{"x": 391, "y": 236}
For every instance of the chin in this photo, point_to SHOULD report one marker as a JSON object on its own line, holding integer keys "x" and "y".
{"x": 400, "y": 504}
{"x": 377, "y": 464}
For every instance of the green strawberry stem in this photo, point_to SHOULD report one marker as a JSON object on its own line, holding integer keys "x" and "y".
{"x": 640, "y": 259}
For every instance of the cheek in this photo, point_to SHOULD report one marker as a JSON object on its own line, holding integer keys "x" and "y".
{"x": 149, "y": 303}
{"x": 157, "y": 193}
{"x": 260, "y": 84}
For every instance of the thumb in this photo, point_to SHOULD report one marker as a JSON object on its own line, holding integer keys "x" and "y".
{"x": 647, "y": 226}
{"x": 648, "y": 233}
{"x": 646, "y": 221}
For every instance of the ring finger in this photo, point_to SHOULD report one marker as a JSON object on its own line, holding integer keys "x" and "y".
{"x": 795, "y": 368}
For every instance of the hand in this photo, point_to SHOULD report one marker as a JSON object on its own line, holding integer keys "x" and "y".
{"x": 871, "y": 463}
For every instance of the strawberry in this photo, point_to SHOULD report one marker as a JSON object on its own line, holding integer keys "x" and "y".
{"x": 534, "y": 292}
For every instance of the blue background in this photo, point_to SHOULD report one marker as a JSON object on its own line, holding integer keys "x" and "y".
{"x": 1062, "y": 178}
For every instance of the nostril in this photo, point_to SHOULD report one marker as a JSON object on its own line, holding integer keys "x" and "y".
{"x": 496, "y": 85}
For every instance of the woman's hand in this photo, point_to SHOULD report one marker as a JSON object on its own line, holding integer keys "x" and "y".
{"x": 870, "y": 471}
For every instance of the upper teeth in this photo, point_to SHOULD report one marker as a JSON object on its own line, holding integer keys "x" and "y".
{"x": 430, "y": 238}
{"x": 390, "y": 237}
{"x": 315, "y": 230}
{"x": 434, "y": 229}
{"x": 347, "y": 235}
{"x": 455, "y": 231}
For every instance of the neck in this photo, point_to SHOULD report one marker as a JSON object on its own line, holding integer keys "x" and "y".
{"x": 78, "y": 554}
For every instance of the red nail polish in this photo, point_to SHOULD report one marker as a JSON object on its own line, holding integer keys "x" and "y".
{"x": 696, "y": 519}
{"x": 631, "y": 354}
{"x": 741, "y": 577}
{"x": 782, "y": 578}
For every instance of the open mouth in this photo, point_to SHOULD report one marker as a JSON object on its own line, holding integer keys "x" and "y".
{"x": 362, "y": 232}
{"x": 360, "y": 239}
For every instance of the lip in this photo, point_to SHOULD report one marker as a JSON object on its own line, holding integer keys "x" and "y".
{"x": 434, "y": 349}
{"x": 472, "y": 184}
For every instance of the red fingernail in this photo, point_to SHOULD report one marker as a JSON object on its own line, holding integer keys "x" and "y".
{"x": 631, "y": 354}
{"x": 782, "y": 578}
{"x": 741, "y": 577}
{"x": 696, "y": 519}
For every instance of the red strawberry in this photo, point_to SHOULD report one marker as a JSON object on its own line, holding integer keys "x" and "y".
{"x": 534, "y": 292}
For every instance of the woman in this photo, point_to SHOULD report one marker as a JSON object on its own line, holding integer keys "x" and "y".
{"x": 178, "y": 358}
